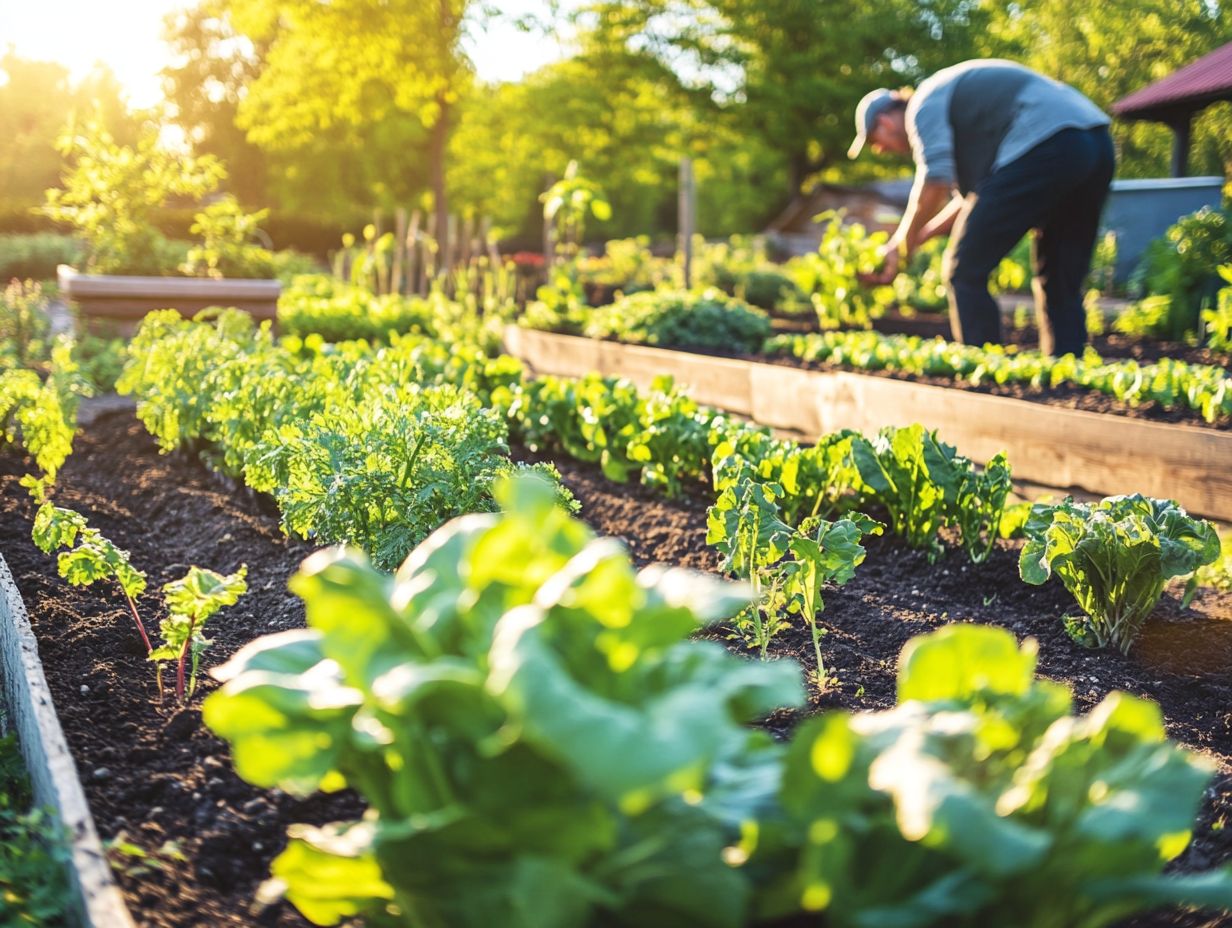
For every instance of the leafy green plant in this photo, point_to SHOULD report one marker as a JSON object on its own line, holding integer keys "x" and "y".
{"x": 1115, "y": 557}
{"x": 40, "y": 414}
{"x": 567, "y": 203}
{"x": 33, "y": 849}
{"x": 679, "y": 319}
{"x": 228, "y": 242}
{"x": 24, "y": 327}
{"x": 538, "y": 741}
{"x": 830, "y": 277}
{"x": 108, "y": 195}
{"x": 1218, "y": 320}
{"x": 1183, "y": 266}
{"x": 980, "y": 800}
{"x": 786, "y": 567}
{"x": 93, "y": 558}
{"x": 1204, "y": 388}
{"x": 190, "y": 601}
{"x": 979, "y": 506}
{"x": 386, "y": 472}
{"x": 817, "y": 480}
{"x": 916, "y": 477}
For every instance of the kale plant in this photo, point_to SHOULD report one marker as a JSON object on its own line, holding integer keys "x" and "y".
{"x": 1114, "y": 557}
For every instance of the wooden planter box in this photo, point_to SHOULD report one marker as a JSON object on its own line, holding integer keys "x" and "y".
{"x": 126, "y": 300}
{"x": 94, "y": 899}
{"x": 1048, "y": 445}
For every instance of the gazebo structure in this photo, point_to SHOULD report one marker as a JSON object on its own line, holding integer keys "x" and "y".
{"x": 1177, "y": 98}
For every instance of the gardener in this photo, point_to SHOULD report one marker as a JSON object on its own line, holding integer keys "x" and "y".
{"x": 999, "y": 150}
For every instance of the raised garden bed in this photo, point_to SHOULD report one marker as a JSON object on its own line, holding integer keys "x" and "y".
{"x": 122, "y": 299}
{"x": 1049, "y": 444}
{"x": 159, "y": 777}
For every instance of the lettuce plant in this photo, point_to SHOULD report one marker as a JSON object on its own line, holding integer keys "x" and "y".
{"x": 980, "y": 800}
{"x": 1114, "y": 557}
{"x": 539, "y": 742}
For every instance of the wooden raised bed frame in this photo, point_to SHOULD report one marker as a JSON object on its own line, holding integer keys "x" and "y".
{"x": 1055, "y": 447}
{"x": 126, "y": 300}
{"x": 94, "y": 899}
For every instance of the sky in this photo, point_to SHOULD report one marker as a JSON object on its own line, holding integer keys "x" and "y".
{"x": 78, "y": 33}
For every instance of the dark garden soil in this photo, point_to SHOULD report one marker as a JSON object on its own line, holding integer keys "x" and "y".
{"x": 155, "y": 776}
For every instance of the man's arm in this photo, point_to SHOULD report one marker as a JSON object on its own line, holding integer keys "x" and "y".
{"x": 943, "y": 222}
{"x": 928, "y": 198}
{"x": 927, "y": 201}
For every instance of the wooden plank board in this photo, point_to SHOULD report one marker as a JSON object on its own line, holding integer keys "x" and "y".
{"x": 94, "y": 899}
{"x": 1056, "y": 447}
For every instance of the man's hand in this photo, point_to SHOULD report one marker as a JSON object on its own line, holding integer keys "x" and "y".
{"x": 887, "y": 256}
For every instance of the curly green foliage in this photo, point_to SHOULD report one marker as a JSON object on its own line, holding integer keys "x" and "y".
{"x": 170, "y": 359}
{"x": 1114, "y": 557}
{"x": 383, "y": 474}
{"x": 539, "y": 742}
{"x": 680, "y": 319}
{"x": 229, "y": 245}
{"x": 24, "y": 327}
{"x": 980, "y": 800}
{"x": 317, "y": 304}
{"x": 34, "y": 852}
{"x": 40, "y": 414}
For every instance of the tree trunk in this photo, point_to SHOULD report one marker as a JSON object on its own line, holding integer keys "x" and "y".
{"x": 440, "y": 139}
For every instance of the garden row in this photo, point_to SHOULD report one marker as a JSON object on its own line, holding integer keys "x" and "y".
{"x": 369, "y": 447}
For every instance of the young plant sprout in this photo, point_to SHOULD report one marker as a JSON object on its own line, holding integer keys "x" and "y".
{"x": 90, "y": 557}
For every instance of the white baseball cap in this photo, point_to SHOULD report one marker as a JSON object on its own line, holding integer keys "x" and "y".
{"x": 873, "y": 104}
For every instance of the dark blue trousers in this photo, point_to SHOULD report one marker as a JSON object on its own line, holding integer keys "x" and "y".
{"x": 1056, "y": 191}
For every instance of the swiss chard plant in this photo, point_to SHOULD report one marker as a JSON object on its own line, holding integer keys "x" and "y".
{"x": 539, "y": 742}
{"x": 190, "y": 601}
{"x": 787, "y": 567}
{"x": 1115, "y": 557}
{"x": 90, "y": 557}
{"x": 981, "y": 800}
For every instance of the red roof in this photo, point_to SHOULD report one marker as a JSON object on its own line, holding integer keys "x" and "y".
{"x": 1192, "y": 87}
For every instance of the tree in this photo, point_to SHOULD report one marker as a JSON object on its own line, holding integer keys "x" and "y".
{"x": 36, "y": 100}
{"x": 382, "y": 78}
{"x": 213, "y": 67}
